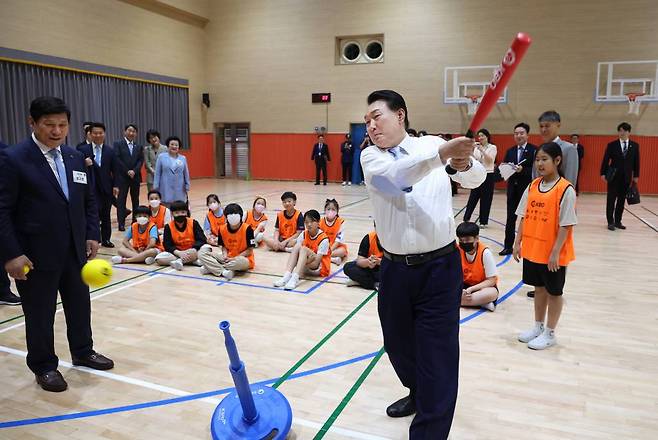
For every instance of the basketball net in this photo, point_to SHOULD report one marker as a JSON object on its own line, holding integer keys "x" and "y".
{"x": 473, "y": 102}
{"x": 634, "y": 103}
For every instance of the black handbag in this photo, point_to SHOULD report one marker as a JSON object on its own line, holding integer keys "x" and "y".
{"x": 633, "y": 195}
{"x": 610, "y": 174}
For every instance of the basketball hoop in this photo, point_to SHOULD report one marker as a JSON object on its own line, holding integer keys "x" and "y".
{"x": 473, "y": 102}
{"x": 634, "y": 103}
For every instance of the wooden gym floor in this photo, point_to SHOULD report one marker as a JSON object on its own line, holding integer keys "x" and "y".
{"x": 160, "y": 327}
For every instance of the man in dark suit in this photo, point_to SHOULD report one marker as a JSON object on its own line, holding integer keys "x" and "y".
{"x": 49, "y": 225}
{"x": 519, "y": 181}
{"x": 101, "y": 162}
{"x": 321, "y": 156}
{"x": 130, "y": 157}
{"x": 86, "y": 129}
{"x": 621, "y": 163}
{"x": 7, "y": 297}
{"x": 575, "y": 139}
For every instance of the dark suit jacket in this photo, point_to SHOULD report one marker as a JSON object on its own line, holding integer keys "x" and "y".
{"x": 3, "y": 145}
{"x": 126, "y": 161}
{"x": 324, "y": 152}
{"x": 104, "y": 177}
{"x": 627, "y": 167}
{"x": 581, "y": 152}
{"x": 523, "y": 178}
{"x": 36, "y": 220}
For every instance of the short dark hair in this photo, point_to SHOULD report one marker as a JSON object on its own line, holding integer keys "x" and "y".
{"x": 553, "y": 150}
{"x": 174, "y": 138}
{"x": 523, "y": 125}
{"x": 87, "y": 123}
{"x": 312, "y": 214}
{"x": 154, "y": 191}
{"x": 233, "y": 208}
{"x": 97, "y": 125}
{"x": 257, "y": 199}
{"x": 422, "y": 133}
{"x": 210, "y": 197}
{"x": 468, "y": 229}
{"x": 412, "y": 132}
{"x": 88, "y": 129}
{"x": 178, "y": 205}
{"x": 393, "y": 100}
{"x": 624, "y": 126}
{"x": 486, "y": 133}
{"x": 150, "y": 133}
{"x": 331, "y": 202}
{"x": 130, "y": 125}
{"x": 48, "y": 105}
{"x": 549, "y": 116}
{"x": 288, "y": 195}
{"x": 141, "y": 209}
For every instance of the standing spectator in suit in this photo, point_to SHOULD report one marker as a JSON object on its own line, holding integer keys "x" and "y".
{"x": 151, "y": 152}
{"x": 7, "y": 297}
{"x": 518, "y": 182}
{"x": 621, "y": 163}
{"x": 49, "y": 223}
{"x": 575, "y": 139}
{"x": 130, "y": 157}
{"x": 321, "y": 156}
{"x": 172, "y": 177}
{"x": 101, "y": 161}
{"x": 346, "y": 159}
{"x": 86, "y": 129}
{"x": 549, "y": 129}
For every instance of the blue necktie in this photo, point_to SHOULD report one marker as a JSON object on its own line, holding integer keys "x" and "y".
{"x": 97, "y": 154}
{"x": 394, "y": 153}
{"x": 130, "y": 148}
{"x": 61, "y": 171}
{"x": 520, "y": 155}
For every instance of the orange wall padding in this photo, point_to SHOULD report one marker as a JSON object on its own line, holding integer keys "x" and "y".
{"x": 201, "y": 155}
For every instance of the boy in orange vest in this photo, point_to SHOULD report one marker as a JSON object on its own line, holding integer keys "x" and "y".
{"x": 364, "y": 271}
{"x": 289, "y": 225}
{"x": 236, "y": 242}
{"x": 311, "y": 255}
{"x": 183, "y": 237}
{"x": 141, "y": 243}
{"x": 479, "y": 268}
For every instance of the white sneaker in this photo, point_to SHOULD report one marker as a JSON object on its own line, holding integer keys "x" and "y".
{"x": 531, "y": 334}
{"x": 197, "y": 262}
{"x": 351, "y": 283}
{"x": 117, "y": 259}
{"x": 489, "y": 306}
{"x": 228, "y": 274}
{"x": 542, "y": 341}
{"x": 283, "y": 280}
{"x": 177, "y": 264}
{"x": 259, "y": 237}
{"x": 203, "y": 270}
{"x": 483, "y": 226}
{"x": 349, "y": 183}
{"x": 336, "y": 260}
{"x": 289, "y": 249}
{"x": 344, "y": 183}
{"x": 292, "y": 283}
{"x": 149, "y": 260}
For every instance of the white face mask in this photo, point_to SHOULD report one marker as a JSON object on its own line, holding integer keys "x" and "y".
{"x": 233, "y": 219}
{"x": 141, "y": 221}
{"x": 213, "y": 206}
{"x": 330, "y": 214}
{"x": 259, "y": 208}
{"x": 154, "y": 203}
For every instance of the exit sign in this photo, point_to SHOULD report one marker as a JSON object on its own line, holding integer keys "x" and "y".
{"x": 322, "y": 98}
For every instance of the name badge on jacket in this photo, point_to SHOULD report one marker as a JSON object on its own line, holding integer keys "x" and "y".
{"x": 80, "y": 177}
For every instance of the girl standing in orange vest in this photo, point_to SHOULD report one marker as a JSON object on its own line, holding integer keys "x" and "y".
{"x": 479, "y": 268}
{"x": 545, "y": 242}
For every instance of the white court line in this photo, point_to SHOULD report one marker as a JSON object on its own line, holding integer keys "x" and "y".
{"x": 125, "y": 286}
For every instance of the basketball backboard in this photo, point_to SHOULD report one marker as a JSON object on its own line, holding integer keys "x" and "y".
{"x": 615, "y": 80}
{"x": 462, "y": 82}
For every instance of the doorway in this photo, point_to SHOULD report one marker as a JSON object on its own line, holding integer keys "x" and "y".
{"x": 357, "y": 132}
{"x": 232, "y": 141}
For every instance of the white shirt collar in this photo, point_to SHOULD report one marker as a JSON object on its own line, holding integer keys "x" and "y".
{"x": 128, "y": 142}
{"x": 622, "y": 141}
{"x": 405, "y": 141}
{"x": 522, "y": 146}
{"x": 95, "y": 145}
{"x": 557, "y": 138}
{"x": 43, "y": 147}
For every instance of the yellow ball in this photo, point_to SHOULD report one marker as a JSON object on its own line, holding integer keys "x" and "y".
{"x": 26, "y": 269}
{"x": 96, "y": 273}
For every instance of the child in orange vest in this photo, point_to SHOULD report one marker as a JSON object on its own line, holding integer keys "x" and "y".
{"x": 257, "y": 219}
{"x": 214, "y": 219}
{"x": 289, "y": 225}
{"x": 141, "y": 243}
{"x": 364, "y": 271}
{"x": 183, "y": 237}
{"x": 236, "y": 243}
{"x": 310, "y": 256}
{"x": 479, "y": 268}
{"x": 159, "y": 214}
{"x": 545, "y": 242}
{"x": 332, "y": 225}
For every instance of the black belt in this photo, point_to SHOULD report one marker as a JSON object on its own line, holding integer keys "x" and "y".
{"x": 415, "y": 259}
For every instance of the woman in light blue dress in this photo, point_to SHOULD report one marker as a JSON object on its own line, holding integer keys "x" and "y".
{"x": 172, "y": 177}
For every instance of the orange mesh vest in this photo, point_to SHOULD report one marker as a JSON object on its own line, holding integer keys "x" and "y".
{"x": 236, "y": 242}
{"x": 141, "y": 240}
{"x": 374, "y": 249}
{"x": 474, "y": 272}
{"x": 287, "y": 227}
{"x": 215, "y": 222}
{"x": 333, "y": 230}
{"x": 251, "y": 221}
{"x": 312, "y": 244}
{"x": 183, "y": 240}
{"x": 159, "y": 218}
{"x": 542, "y": 222}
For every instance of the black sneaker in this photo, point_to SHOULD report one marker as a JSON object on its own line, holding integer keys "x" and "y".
{"x": 9, "y": 299}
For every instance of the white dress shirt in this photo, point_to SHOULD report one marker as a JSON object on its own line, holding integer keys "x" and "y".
{"x": 51, "y": 161}
{"x": 411, "y": 194}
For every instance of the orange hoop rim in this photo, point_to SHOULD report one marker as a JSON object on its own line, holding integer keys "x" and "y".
{"x": 633, "y": 96}
{"x": 474, "y": 98}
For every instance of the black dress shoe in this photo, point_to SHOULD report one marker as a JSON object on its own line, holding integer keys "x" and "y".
{"x": 531, "y": 293}
{"x": 122, "y": 228}
{"x": 107, "y": 244}
{"x": 402, "y": 408}
{"x": 9, "y": 299}
{"x": 611, "y": 227}
{"x": 619, "y": 226}
{"x": 52, "y": 381}
{"x": 506, "y": 251}
{"x": 94, "y": 360}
